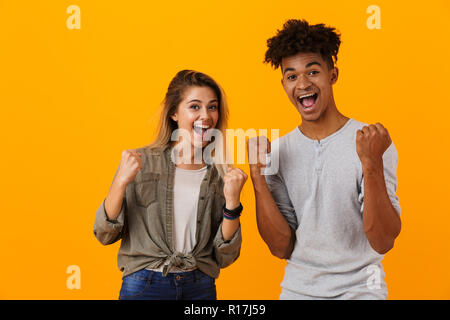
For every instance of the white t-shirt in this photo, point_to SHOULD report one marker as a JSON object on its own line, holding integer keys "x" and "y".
{"x": 185, "y": 193}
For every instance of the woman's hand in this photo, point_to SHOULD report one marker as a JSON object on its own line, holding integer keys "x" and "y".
{"x": 234, "y": 180}
{"x": 129, "y": 166}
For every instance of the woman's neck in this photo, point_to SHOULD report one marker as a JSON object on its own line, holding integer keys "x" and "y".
{"x": 193, "y": 162}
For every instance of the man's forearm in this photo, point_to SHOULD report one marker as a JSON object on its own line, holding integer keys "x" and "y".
{"x": 272, "y": 226}
{"x": 380, "y": 219}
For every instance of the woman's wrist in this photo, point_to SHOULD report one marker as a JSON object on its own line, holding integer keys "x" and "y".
{"x": 231, "y": 204}
{"x": 232, "y": 214}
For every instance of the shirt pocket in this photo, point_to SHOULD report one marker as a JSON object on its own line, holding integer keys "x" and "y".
{"x": 146, "y": 188}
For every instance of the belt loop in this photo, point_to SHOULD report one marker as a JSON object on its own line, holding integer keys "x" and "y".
{"x": 195, "y": 275}
{"x": 149, "y": 280}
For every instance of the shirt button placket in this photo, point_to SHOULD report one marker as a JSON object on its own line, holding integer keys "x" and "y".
{"x": 318, "y": 148}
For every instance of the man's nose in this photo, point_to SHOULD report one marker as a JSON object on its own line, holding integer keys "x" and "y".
{"x": 303, "y": 82}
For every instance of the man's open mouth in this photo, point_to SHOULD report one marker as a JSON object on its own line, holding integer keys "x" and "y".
{"x": 307, "y": 100}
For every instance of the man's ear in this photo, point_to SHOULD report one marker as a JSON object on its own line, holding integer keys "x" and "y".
{"x": 334, "y": 75}
{"x": 282, "y": 78}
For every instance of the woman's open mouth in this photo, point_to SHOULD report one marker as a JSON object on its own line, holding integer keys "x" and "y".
{"x": 201, "y": 130}
{"x": 308, "y": 101}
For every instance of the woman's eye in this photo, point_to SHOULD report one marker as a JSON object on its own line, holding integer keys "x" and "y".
{"x": 213, "y": 107}
{"x": 194, "y": 106}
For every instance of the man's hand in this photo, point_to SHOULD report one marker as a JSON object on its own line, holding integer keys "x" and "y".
{"x": 257, "y": 149}
{"x": 371, "y": 143}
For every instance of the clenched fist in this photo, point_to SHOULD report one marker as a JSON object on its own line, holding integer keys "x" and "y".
{"x": 371, "y": 143}
{"x": 257, "y": 149}
{"x": 234, "y": 180}
{"x": 129, "y": 166}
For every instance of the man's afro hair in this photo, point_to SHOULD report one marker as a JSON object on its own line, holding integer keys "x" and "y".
{"x": 298, "y": 36}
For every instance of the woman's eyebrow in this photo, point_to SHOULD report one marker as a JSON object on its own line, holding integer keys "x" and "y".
{"x": 196, "y": 100}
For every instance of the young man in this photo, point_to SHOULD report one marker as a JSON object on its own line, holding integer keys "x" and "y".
{"x": 331, "y": 209}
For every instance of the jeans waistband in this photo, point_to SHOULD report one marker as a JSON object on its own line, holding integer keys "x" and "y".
{"x": 146, "y": 274}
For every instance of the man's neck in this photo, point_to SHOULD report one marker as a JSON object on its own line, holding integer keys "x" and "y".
{"x": 327, "y": 124}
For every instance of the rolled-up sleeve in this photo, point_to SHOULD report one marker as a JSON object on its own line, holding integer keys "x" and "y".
{"x": 226, "y": 252}
{"x": 109, "y": 231}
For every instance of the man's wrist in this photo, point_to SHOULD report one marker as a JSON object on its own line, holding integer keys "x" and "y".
{"x": 372, "y": 166}
{"x": 255, "y": 172}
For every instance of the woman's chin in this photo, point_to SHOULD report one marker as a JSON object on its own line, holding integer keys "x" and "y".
{"x": 197, "y": 143}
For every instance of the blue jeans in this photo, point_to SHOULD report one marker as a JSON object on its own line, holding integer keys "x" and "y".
{"x": 151, "y": 285}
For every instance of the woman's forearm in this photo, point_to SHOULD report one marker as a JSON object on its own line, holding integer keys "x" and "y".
{"x": 114, "y": 200}
{"x": 229, "y": 228}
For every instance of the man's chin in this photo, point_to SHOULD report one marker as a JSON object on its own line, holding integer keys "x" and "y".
{"x": 310, "y": 116}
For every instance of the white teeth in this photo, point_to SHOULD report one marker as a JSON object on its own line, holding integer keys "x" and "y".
{"x": 202, "y": 127}
{"x": 306, "y": 95}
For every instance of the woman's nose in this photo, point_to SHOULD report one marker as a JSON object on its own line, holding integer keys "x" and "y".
{"x": 204, "y": 114}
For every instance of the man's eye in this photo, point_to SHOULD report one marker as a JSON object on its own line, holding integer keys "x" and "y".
{"x": 292, "y": 77}
{"x": 313, "y": 72}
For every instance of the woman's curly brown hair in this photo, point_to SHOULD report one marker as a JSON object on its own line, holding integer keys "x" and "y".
{"x": 298, "y": 36}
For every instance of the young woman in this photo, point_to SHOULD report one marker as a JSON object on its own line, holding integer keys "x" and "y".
{"x": 177, "y": 216}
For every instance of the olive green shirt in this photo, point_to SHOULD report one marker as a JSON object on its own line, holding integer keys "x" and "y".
{"x": 145, "y": 221}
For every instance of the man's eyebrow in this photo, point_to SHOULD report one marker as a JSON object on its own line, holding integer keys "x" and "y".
{"x": 288, "y": 69}
{"x": 307, "y": 66}
{"x": 312, "y": 63}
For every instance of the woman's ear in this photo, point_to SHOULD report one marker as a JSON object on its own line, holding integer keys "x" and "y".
{"x": 174, "y": 117}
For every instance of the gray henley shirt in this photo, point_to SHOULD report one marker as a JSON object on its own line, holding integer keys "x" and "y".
{"x": 319, "y": 189}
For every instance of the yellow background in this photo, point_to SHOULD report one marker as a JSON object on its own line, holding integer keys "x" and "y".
{"x": 72, "y": 100}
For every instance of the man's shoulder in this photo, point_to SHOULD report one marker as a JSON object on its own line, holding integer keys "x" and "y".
{"x": 287, "y": 138}
{"x": 353, "y": 125}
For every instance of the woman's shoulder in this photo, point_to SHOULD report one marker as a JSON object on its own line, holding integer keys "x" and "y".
{"x": 152, "y": 150}
{"x": 153, "y": 158}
